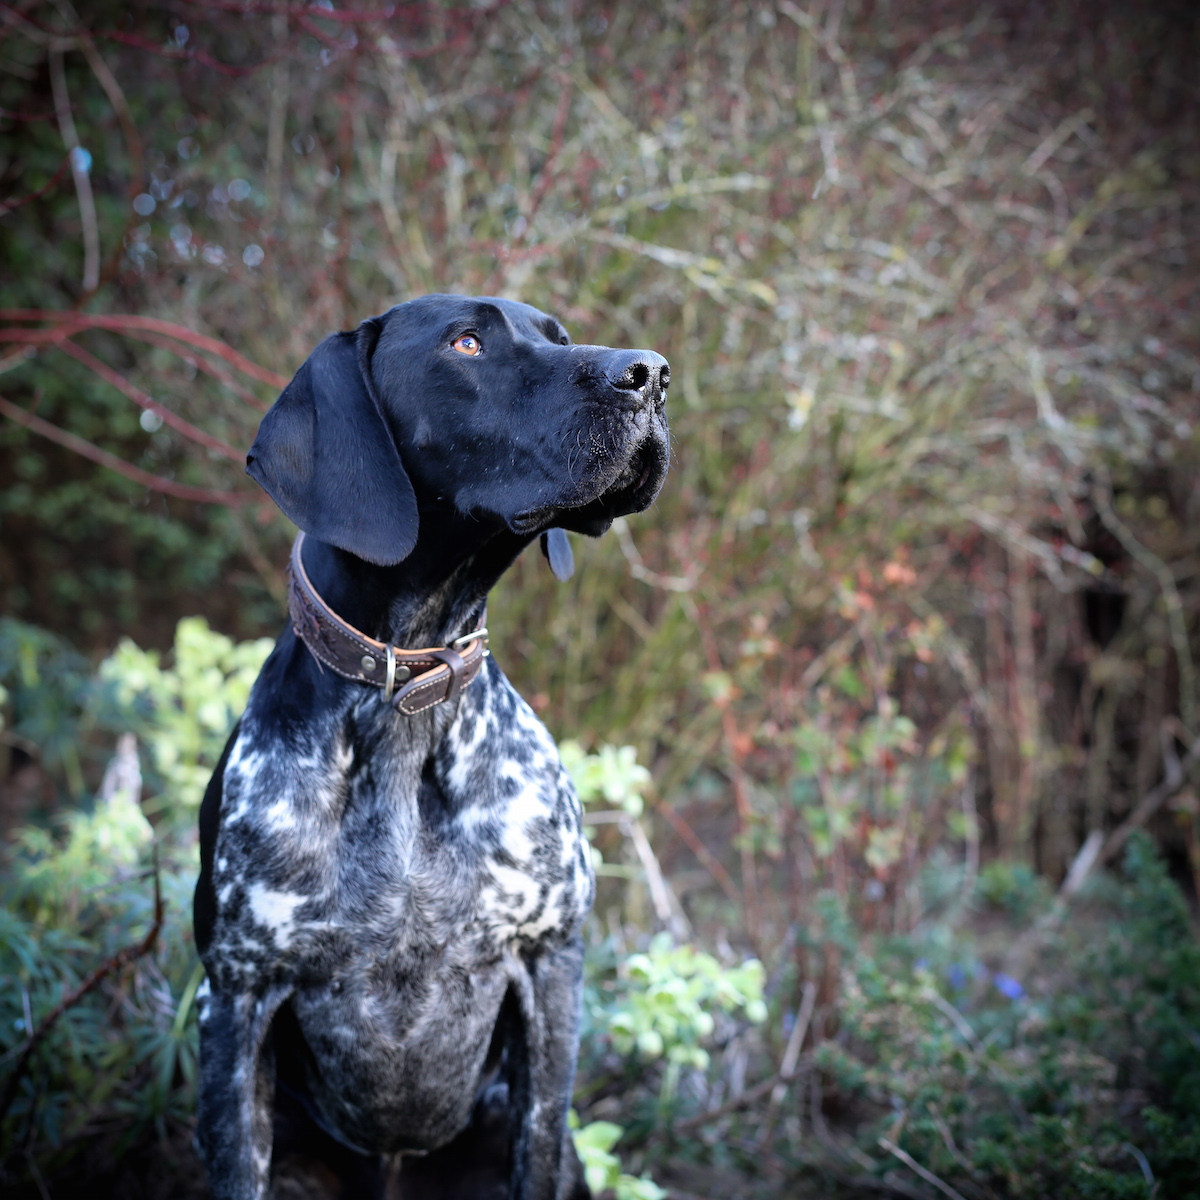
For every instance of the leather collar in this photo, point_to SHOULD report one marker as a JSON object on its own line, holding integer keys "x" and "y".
{"x": 413, "y": 680}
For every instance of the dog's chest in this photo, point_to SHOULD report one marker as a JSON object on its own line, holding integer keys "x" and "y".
{"x": 361, "y": 847}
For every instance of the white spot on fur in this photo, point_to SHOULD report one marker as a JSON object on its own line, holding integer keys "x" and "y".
{"x": 551, "y": 918}
{"x": 275, "y": 910}
{"x": 280, "y": 815}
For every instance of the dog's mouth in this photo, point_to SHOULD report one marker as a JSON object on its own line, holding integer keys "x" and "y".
{"x": 641, "y": 459}
{"x": 632, "y": 490}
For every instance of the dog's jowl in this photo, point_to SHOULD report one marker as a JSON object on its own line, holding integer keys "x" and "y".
{"x": 394, "y": 874}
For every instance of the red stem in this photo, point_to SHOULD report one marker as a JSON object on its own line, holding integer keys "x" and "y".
{"x": 11, "y": 205}
{"x": 701, "y": 851}
{"x": 156, "y": 483}
{"x": 144, "y": 401}
{"x": 123, "y": 322}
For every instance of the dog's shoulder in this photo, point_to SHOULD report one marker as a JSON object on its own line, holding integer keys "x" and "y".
{"x": 514, "y": 802}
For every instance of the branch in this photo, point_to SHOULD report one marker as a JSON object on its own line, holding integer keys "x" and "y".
{"x": 82, "y": 446}
{"x": 1098, "y": 849}
{"x": 1176, "y": 620}
{"x": 121, "y": 959}
{"x": 11, "y": 205}
{"x": 346, "y": 17}
{"x": 218, "y": 373}
{"x": 709, "y": 860}
{"x": 140, "y": 398}
{"x": 639, "y": 570}
{"x": 927, "y": 1175}
{"x": 545, "y": 178}
{"x": 127, "y": 322}
{"x": 184, "y": 54}
{"x": 83, "y": 183}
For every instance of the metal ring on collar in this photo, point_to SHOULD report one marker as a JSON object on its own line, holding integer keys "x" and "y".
{"x": 390, "y": 683}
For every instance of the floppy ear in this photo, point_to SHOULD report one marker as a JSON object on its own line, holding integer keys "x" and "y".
{"x": 325, "y": 455}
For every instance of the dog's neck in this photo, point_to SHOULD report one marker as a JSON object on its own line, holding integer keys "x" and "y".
{"x": 431, "y": 597}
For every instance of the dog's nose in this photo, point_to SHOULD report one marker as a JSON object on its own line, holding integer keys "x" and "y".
{"x": 641, "y": 375}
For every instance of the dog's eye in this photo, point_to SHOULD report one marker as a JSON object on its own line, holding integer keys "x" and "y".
{"x": 468, "y": 343}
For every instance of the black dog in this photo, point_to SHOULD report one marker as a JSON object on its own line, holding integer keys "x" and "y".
{"x": 394, "y": 873}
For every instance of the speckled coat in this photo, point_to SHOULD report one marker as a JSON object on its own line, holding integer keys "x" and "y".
{"x": 389, "y": 908}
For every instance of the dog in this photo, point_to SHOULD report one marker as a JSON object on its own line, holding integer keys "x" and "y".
{"x": 394, "y": 874}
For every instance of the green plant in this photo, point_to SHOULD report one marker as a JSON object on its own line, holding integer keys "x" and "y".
{"x": 663, "y": 999}
{"x": 183, "y": 712}
{"x": 612, "y": 774}
{"x": 594, "y": 1143}
{"x": 76, "y": 894}
{"x": 1013, "y": 887}
{"x": 1081, "y": 1083}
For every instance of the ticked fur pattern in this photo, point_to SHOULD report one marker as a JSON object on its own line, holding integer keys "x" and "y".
{"x": 389, "y": 906}
{"x": 390, "y": 879}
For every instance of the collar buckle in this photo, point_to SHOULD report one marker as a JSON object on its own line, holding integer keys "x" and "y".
{"x": 481, "y": 632}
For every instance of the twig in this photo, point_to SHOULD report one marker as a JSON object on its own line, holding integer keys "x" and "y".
{"x": 1177, "y": 770}
{"x": 747, "y": 1099}
{"x": 202, "y": 363}
{"x": 639, "y": 570}
{"x": 156, "y": 483}
{"x": 971, "y": 834}
{"x": 666, "y": 906}
{"x": 1098, "y": 849}
{"x": 140, "y": 398}
{"x": 791, "y": 1056}
{"x": 79, "y": 170}
{"x": 35, "y": 1171}
{"x": 127, "y": 322}
{"x": 709, "y": 860}
{"x": 827, "y": 657}
{"x": 741, "y": 790}
{"x": 122, "y": 958}
{"x": 956, "y": 1019}
{"x": 11, "y": 205}
{"x": 925, "y": 1174}
{"x": 948, "y": 1140}
{"x": 1176, "y": 620}
{"x": 828, "y": 42}
{"x": 545, "y": 177}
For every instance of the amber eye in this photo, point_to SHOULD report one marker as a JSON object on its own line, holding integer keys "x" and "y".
{"x": 468, "y": 343}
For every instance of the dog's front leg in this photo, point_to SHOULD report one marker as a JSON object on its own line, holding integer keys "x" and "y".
{"x": 236, "y": 1091}
{"x": 545, "y": 1165}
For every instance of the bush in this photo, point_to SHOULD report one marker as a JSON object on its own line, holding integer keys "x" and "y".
{"x": 1079, "y": 1082}
{"x": 122, "y": 1059}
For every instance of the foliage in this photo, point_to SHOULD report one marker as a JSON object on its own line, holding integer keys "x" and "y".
{"x": 1012, "y": 886}
{"x": 184, "y": 712}
{"x": 43, "y": 683}
{"x": 75, "y": 895}
{"x": 613, "y": 775}
{"x": 594, "y": 1143}
{"x": 1062, "y": 1087}
{"x": 661, "y": 1004}
{"x": 915, "y": 612}
{"x": 926, "y": 282}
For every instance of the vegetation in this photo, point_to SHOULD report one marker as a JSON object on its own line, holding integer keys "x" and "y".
{"x": 902, "y": 659}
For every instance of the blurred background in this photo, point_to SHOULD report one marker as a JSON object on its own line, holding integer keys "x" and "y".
{"x": 885, "y": 715}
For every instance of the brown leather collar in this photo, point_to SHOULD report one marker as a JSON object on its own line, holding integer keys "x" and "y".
{"x": 412, "y": 680}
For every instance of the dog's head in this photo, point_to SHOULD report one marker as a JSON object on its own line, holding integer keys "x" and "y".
{"x": 478, "y": 405}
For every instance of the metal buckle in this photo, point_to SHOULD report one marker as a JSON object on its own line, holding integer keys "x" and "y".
{"x": 459, "y": 642}
{"x": 390, "y": 683}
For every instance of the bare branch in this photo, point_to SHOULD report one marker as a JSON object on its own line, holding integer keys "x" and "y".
{"x": 82, "y": 446}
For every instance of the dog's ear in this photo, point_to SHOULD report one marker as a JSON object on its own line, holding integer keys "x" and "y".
{"x": 557, "y": 548}
{"x": 325, "y": 455}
